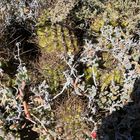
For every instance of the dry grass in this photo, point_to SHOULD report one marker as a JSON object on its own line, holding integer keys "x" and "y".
{"x": 69, "y": 114}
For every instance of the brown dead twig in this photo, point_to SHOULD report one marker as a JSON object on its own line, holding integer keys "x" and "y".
{"x": 26, "y": 107}
{"x": 25, "y": 104}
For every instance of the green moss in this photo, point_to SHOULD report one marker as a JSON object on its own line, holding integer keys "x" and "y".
{"x": 89, "y": 74}
{"x": 70, "y": 114}
{"x": 53, "y": 76}
{"x": 97, "y": 24}
{"x": 107, "y": 79}
{"x": 108, "y": 60}
{"x": 118, "y": 76}
{"x": 54, "y": 36}
{"x": 54, "y": 40}
{"x": 115, "y": 75}
{"x": 124, "y": 23}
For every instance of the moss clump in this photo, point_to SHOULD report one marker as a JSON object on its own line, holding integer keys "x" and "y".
{"x": 51, "y": 68}
{"x": 97, "y": 24}
{"x": 69, "y": 114}
{"x": 55, "y": 41}
{"x": 115, "y": 76}
{"x": 56, "y": 38}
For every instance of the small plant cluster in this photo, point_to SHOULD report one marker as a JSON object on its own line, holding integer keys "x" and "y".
{"x": 84, "y": 83}
{"x": 61, "y": 9}
{"x": 18, "y": 10}
{"x": 20, "y": 104}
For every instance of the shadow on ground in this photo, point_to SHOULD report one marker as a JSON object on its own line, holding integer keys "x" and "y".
{"x": 123, "y": 124}
{"x": 28, "y": 134}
